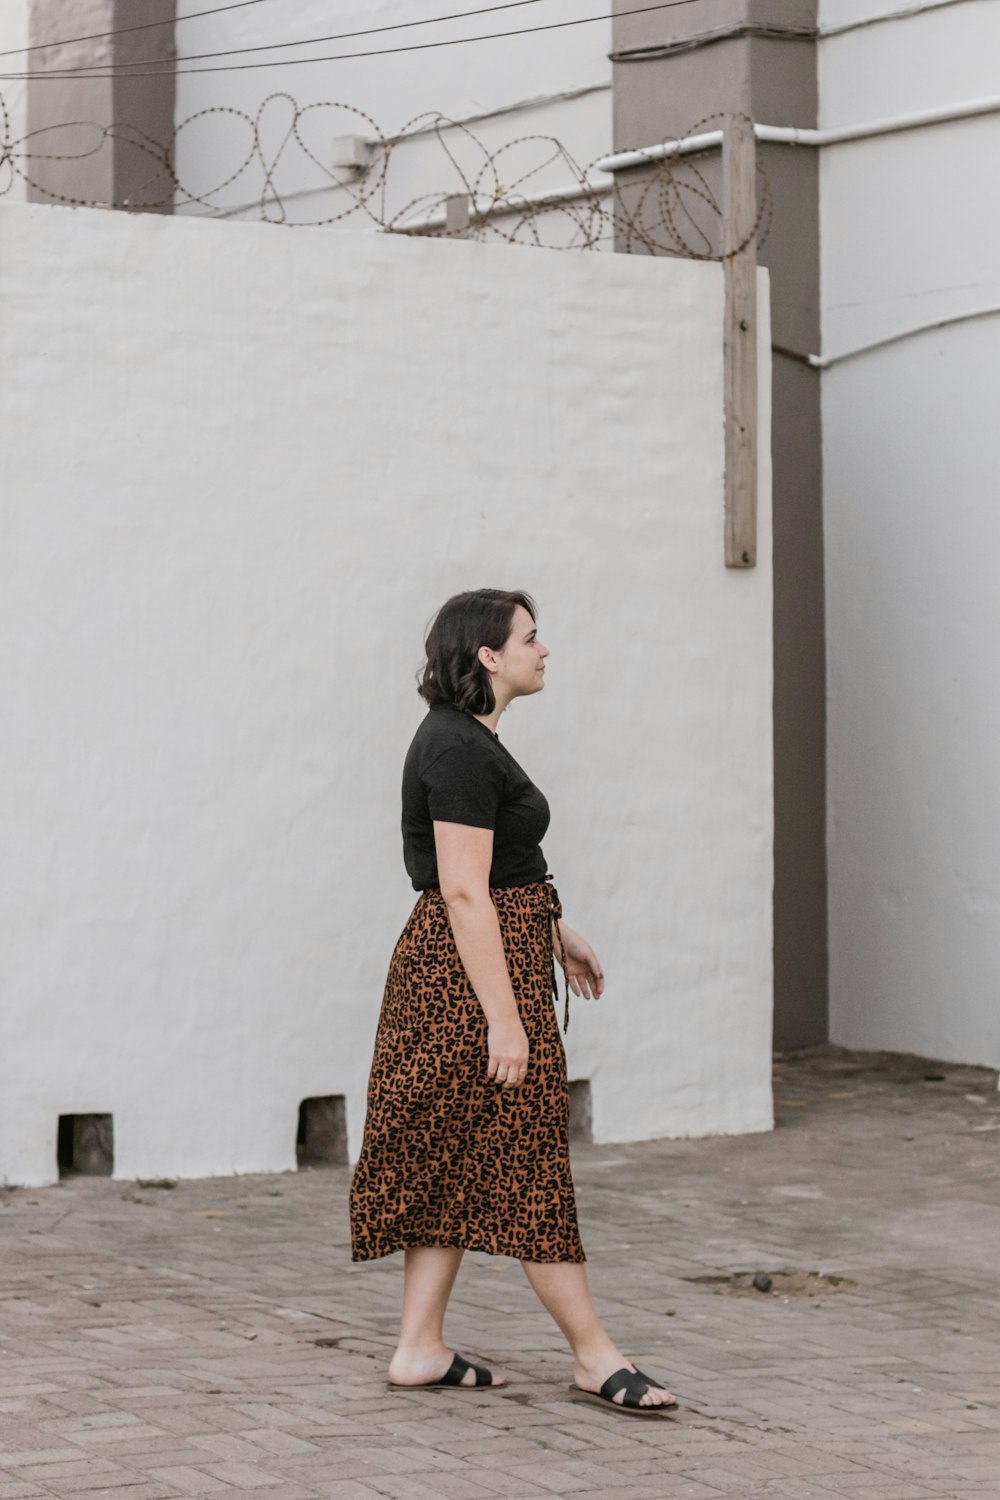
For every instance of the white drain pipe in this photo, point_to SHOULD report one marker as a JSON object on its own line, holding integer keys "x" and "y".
{"x": 792, "y": 135}
{"x": 490, "y": 208}
{"x": 708, "y": 140}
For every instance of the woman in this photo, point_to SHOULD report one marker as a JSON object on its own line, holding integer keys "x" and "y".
{"x": 466, "y": 1138}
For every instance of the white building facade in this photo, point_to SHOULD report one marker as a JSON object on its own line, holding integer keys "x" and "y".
{"x": 895, "y": 789}
{"x": 910, "y": 229}
{"x": 878, "y": 126}
{"x": 267, "y": 460}
{"x": 483, "y": 114}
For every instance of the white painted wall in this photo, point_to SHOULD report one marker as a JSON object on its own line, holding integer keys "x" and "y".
{"x": 555, "y": 84}
{"x": 241, "y": 470}
{"x": 909, "y": 234}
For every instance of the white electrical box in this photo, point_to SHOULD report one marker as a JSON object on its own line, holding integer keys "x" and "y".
{"x": 350, "y": 152}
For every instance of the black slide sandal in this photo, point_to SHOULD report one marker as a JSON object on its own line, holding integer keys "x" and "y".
{"x": 452, "y": 1378}
{"x": 635, "y": 1385}
{"x": 659, "y": 1386}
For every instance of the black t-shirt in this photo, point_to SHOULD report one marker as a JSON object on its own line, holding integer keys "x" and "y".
{"x": 457, "y": 771}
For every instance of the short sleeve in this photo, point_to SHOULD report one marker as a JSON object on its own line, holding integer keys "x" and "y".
{"x": 464, "y": 785}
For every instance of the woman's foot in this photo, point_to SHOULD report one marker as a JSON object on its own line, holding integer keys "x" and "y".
{"x": 592, "y": 1373}
{"x": 430, "y": 1366}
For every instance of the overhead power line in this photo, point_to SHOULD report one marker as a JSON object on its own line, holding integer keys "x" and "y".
{"x": 96, "y": 36}
{"x": 143, "y": 62}
{"x": 129, "y": 70}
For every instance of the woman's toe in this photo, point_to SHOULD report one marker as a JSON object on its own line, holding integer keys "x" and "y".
{"x": 656, "y": 1395}
{"x": 469, "y": 1379}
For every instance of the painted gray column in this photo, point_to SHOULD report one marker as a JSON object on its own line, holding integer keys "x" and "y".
{"x": 673, "y": 67}
{"x": 123, "y": 169}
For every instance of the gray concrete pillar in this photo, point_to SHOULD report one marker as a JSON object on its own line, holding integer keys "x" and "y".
{"x": 672, "y": 68}
{"x": 102, "y": 140}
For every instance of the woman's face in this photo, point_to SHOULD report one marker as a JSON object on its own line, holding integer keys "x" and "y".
{"x": 521, "y": 662}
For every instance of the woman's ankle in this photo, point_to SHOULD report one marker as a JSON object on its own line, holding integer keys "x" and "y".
{"x": 419, "y": 1363}
{"x": 597, "y": 1351}
{"x": 420, "y": 1347}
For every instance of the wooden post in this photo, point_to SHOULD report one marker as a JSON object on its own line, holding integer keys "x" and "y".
{"x": 739, "y": 259}
{"x": 457, "y": 216}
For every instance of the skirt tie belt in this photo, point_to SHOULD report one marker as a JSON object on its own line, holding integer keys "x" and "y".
{"x": 552, "y": 916}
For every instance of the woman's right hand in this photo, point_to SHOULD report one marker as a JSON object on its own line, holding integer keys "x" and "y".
{"x": 508, "y": 1045}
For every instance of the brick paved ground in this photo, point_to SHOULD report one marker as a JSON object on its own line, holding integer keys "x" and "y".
{"x": 162, "y": 1343}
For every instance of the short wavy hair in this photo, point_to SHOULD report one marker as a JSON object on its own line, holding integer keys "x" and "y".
{"x": 453, "y": 672}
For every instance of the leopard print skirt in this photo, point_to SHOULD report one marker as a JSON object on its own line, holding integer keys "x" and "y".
{"x": 448, "y": 1157}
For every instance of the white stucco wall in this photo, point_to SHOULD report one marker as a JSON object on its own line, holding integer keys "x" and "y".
{"x": 555, "y": 83}
{"x": 909, "y": 235}
{"x": 241, "y": 469}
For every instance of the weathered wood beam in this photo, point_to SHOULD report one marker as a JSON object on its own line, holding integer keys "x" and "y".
{"x": 739, "y": 259}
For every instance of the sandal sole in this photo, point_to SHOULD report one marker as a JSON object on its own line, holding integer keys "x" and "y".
{"x": 663, "y": 1410}
{"x": 443, "y": 1385}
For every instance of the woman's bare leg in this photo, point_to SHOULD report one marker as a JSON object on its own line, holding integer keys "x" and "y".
{"x": 564, "y": 1292}
{"x": 428, "y": 1276}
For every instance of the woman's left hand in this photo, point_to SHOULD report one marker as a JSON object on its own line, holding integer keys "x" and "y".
{"x": 584, "y": 974}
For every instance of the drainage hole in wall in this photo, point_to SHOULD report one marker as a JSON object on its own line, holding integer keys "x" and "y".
{"x": 86, "y": 1145}
{"x": 322, "y": 1134}
{"x": 580, "y": 1118}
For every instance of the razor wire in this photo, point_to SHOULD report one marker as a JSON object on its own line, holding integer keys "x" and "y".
{"x": 274, "y": 169}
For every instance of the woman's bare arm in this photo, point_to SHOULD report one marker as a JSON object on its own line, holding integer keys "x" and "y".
{"x": 464, "y": 856}
{"x": 584, "y": 974}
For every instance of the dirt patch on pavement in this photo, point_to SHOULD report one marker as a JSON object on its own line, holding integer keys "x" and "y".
{"x": 786, "y": 1284}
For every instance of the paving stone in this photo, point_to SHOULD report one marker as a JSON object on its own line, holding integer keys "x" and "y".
{"x": 151, "y": 1353}
{"x": 31, "y": 1457}
{"x": 189, "y": 1480}
{"x": 451, "y": 1486}
{"x": 145, "y": 1491}
{"x": 347, "y": 1489}
{"x": 243, "y": 1476}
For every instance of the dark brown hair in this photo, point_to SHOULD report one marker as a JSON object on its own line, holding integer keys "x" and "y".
{"x": 453, "y": 672}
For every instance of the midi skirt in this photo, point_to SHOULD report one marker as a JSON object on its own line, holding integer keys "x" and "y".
{"x": 449, "y": 1157}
